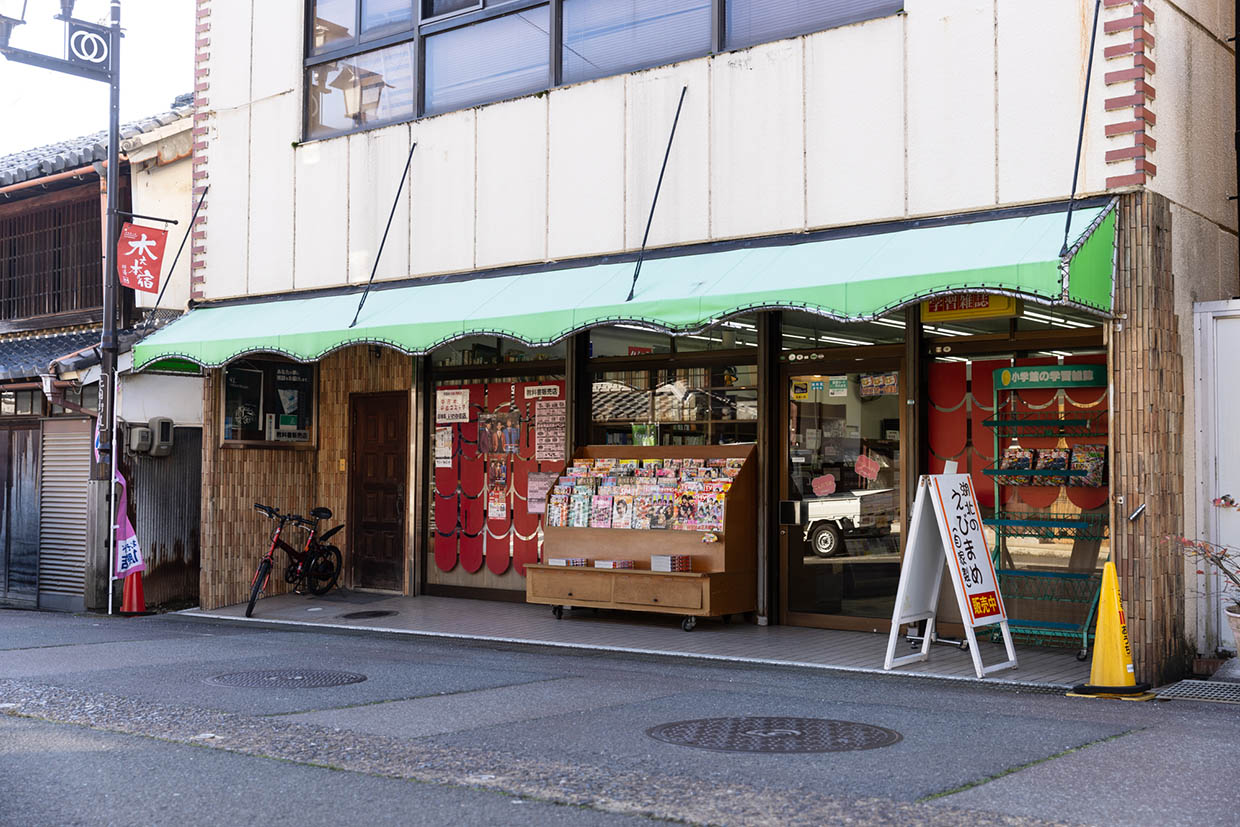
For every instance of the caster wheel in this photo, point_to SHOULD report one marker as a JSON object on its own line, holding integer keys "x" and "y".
{"x": 558, "y": 611}
{"x": 688, "y": 623}
{"x": 1082, "y": 655}
{"x": 964, "y": 646}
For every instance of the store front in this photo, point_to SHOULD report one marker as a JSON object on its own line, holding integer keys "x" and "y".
{"x": 834, "y": 378}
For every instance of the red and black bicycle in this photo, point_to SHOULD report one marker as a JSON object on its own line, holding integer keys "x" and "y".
{"x": 314, "y": 568}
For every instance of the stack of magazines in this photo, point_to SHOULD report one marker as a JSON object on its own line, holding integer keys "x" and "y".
{"x": 671, "y": 562}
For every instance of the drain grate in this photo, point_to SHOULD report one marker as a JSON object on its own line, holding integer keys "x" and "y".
{"x": 367, "y": 615}
{"x": 287, "y": 679}
{"x": 1223, "y": 692}
{"x": 764, "y": 734}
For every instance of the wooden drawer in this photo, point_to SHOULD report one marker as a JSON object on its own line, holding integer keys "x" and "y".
{"x": 569, "y": 585}
{"x": 652, "y": 590}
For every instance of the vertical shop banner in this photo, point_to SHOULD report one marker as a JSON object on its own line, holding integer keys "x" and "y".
{"x": 946, "y": 527}
{"x": 550, "y": 429}
{"x": 139, "y": 257}
{"x": 127, "y": 556}
{"x": 451, "y": 406}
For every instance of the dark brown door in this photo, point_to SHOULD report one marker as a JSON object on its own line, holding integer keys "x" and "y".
{"x": 379, "y": 465}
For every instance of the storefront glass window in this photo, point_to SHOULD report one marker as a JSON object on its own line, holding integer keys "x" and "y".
{"x": 712, "y": 405}
{"x": 842, "y": 511}
{"x": 268, "y": 401}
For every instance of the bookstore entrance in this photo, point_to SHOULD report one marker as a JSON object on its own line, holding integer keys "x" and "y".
{"x": 840, "y": 493}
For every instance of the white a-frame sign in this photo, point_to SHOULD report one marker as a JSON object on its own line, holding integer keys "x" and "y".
{"x": 946, "y": 517}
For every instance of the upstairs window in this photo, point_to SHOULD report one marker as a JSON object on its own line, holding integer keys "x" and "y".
{"x": 375, "y": 62}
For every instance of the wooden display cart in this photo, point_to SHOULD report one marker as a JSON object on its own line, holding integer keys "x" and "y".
{"x": 722, "y": 582}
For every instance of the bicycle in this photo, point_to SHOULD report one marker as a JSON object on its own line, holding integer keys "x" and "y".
{"x": 315, "y": 568}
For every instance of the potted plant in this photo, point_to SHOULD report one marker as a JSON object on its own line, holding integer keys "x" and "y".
{"x": 1224, "y": 559}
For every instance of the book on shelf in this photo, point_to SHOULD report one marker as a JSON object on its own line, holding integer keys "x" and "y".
{"x": 613, "y": 564}
{"x": 566, "y": 561}
{"x": 671, "y": 562}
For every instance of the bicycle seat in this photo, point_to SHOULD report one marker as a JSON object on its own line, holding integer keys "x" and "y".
{"x": 321, "y": 513}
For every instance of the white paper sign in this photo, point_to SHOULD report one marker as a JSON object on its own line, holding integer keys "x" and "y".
{"x": 550, "y": 429}
{"x": 537, "y": 486}
{"x": 443, "y": 447}
{"x": 542, "y": 391}
{"x": 451, "y": 406}
{"x": 956, "y": 504}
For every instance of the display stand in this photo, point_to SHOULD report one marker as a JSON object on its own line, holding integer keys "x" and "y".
{"x": 946, "y": 527}
{"x": 1080, "y": 584}
{"x": 723, "y": 579}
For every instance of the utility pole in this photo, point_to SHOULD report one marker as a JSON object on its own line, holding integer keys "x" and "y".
{"x": 92, "y": 51}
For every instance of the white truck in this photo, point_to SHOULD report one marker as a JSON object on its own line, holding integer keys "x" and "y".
{"x": 826, "y": 522}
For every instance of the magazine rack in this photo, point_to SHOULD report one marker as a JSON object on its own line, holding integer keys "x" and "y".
{"x": 723, "y": 579}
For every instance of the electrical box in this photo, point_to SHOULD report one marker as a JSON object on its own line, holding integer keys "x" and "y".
{"x": 139, "y": 439}
{"x": 161, "y": 436}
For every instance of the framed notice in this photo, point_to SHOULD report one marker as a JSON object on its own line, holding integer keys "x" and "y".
{"x": 945, "y": 534}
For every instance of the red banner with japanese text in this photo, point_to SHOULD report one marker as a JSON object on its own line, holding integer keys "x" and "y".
{"x": 140, "y": 257}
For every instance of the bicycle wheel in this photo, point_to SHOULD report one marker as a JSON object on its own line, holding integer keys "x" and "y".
{"x": 322, "y": 569}
{"x": 260, "y": 582}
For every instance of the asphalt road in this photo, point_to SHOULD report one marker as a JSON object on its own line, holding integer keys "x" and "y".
{"x": 124, "y": 720}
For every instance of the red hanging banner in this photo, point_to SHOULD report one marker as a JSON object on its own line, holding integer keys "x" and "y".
{"x": 140, "y": 257}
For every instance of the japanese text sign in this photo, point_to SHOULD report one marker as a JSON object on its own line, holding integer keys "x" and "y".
{"x": 451, "y": 406}
{"x": 961, "y": 525}
{"x": 140, "y": 256}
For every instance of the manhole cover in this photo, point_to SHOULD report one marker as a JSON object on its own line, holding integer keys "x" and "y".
{"x": 287, "y": 678}
{"x": 366, "y": 615}
{"x": 760, "y": 734}
{"x": 1218, "y": 691}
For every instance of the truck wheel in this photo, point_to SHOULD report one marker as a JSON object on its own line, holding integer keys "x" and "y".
{"x": 826, "y": 540}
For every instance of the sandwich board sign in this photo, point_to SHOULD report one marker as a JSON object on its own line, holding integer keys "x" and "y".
{"x": 947, "y": 526}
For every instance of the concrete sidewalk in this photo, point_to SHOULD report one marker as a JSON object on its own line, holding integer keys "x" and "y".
{"x": 1045, "y": 669}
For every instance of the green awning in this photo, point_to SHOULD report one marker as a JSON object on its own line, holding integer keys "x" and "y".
{"x": 845, "y": 278}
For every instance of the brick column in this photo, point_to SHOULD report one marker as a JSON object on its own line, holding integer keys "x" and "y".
{"x": 1147, "y": 438}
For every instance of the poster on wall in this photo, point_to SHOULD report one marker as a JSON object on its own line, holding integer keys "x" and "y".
{"x": 451, "y": 406}
{"x": 243, "y": 403}
{"x": 497, "y": 486}
{"x": 550, "y": 429}
{"x": 538, "y": 486}
{"x": 443, "y": 447}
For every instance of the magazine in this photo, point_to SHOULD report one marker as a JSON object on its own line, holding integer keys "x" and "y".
{"x": 642, "y": 504}
{"x": 662, "y": 509}
{"x": 622, "y": 511}
{"x": 600, "y": 511}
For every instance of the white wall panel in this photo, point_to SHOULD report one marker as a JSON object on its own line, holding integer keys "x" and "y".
{"x": 165, "y": 191}
{"x": 441, "y": 186}
{"x": 322, "y": 214}
{"x": 683, "y": 214}
{"x": 854, "y": 147}
{"x": 228, "y": 231}
{"x": 757, "y": 141}
{"x": 1196, "y": 158}
{"x": 278, "y": 47}
{"x": 585, "y": 177}
{"x": 274, "y": 122}
{"x": 376, "y": 161}
{"x": 230, "y": 54}
{"x": 512, "y": 182}
{"x": 1039, "y": 100}
{"x": 951, "y": 104}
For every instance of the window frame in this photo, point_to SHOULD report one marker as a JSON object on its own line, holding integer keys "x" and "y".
{"x": 268, "y": 361}
{"x": 422, "y": 27}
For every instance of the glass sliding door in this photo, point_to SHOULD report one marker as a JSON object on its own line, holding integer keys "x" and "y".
{"x": 840, "y": 508}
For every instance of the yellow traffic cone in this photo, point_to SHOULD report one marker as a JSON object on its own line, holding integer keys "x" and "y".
{"x": 1111, "y": 674}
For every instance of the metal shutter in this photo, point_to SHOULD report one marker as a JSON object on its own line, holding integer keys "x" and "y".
{"x": 64, "y": 472}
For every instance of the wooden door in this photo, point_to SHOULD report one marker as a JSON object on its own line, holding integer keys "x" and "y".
{"x": 377, "y": 477}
